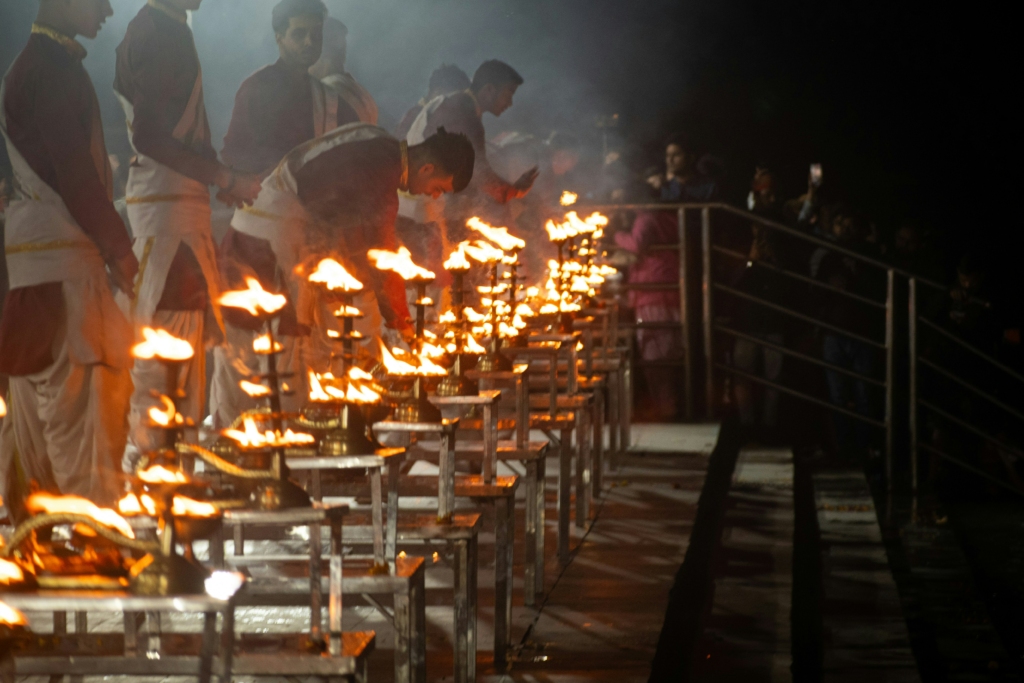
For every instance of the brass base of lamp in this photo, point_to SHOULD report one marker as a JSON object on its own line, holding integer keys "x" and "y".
{"x": 456, "y": 385}
{"x": 169, "y": 575}
{"x": 493, "y": 361}
{"x": 417, "y": 410}
{"x": 279, "y": 494}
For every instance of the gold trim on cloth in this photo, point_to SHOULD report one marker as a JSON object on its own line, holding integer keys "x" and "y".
{"x": 73, "y": 47}
{"x": 260, "y": 213}
{"x": 171, "y": 11}
{"x": 156, "y": 198}
{"x": 403, "y": 182}
{"x": 143, "y": 262}
{"x": 45, "y": 246}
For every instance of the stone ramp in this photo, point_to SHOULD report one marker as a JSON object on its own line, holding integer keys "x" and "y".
{"x": 865, "y": 633}
{"x": 747, "y": 633}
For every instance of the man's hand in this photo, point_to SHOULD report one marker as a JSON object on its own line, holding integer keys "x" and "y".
{"x": 123, "y": 272}
{"x": 237, "y": 189}
{"x": 522, "y": 186}
{"x": 656, "y": 181}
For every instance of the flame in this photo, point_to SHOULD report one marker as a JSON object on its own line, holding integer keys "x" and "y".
{"x": 3, "y": 407}
{"x": 431, "y": 350}
{"x": 163, "y": 418}
{"x": 482, "y": 252}
{"x": 333, "y": 276}
{"x": 359, "y": 375}
{"x": 254, "y": 299}
{"x": 472, "y": 316}
{"x": 472, "y": 346}
{"x": 568, "y": 198}
{"x": 261, "y": 344}
{"x": 158, "y": 474}
{"x": 187, "y": 507}
{"x": 136, "y": 505}
{"x": 223, "y": 585}
{"x": 162, "y": 345}
{"x": 394, "y": 366}
{"x": 10, "y": 573}
{"x": 356, "y": 392}
{"x": 532, "y": 292}
{"x": 254, "y": 390}
{"x": 51, "y": 504}
{"x": 499, "y": 236}
{"x": 524, "y": 310}
{"x": 316, "y": 390}
{"x": 361, "y": 394}
{"x": 457, "y": 260}
{"x": 10, "y": 616}
{"x": 347, "y": 312}
{"x": 579, "y": 285}
{"x": 557, "y": 232}
{"x": 447, "y": 317}
{"x": 400, "y": 262}
{"x": 497, "y": 289}
{"x": 548, "y": 308}
{"x": 251, "y": 437}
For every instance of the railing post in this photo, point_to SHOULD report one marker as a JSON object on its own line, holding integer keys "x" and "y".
{"x": 709, "y": 333}
{"x": 912, "y": 343}
{"x": 684, "y": 317}
{"x": 890, "y": 301}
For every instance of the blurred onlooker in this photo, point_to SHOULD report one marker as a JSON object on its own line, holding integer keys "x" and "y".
{"x": 682, "y": 181}
{"x": 658, "y": 306}
{"x": 331, "y": 70}
{"x": 445, "y": 80}
{"x": 760, "y": 280}
{"x": 844, "y": 229}
{"x": 763, "y": 200}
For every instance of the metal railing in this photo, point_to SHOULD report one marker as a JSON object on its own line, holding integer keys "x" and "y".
{"x": 711, "y": 327}
{"x": 916, "y": 403}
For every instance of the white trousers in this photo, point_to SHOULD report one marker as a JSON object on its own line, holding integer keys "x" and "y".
{"x": 69, "y": 426}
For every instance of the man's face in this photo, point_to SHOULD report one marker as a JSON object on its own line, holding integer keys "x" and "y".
{"x": 675, "y": 160}
{"x": 301, "y": 43}
{"x": 87, "y": 16}
{"x": 430, "y": 180}
{"x": 497, "y": 100}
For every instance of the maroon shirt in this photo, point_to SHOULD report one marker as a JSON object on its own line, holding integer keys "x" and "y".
{"x": 354, "y": 187}
{"x": 273, "y": 114}
{"x": 156, "y": 70}
{"x": 50, "y": 104}
{"x": 459, "y": 114}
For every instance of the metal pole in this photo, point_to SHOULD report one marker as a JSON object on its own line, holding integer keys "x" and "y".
{"x": 912, "y": 342}
{"x": 709, "y": 358}
{"x": 684, "y": 316}
{"x": 890, "y": 301}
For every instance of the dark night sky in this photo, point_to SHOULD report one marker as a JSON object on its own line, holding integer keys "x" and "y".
{"x": 903, "y": 104}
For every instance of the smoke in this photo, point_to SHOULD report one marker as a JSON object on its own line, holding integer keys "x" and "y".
{"x": 580, "y": 58}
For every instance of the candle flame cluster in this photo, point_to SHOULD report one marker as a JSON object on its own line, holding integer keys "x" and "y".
{"x": 254, "y": 299}
{"x": 358, "y": 387}
{"x": 399, "y": 262}
{"x": 160, "y": 344}
{"x": 404, "y": 364}
{"x": 251, "y": 438}
{"x": 333, "y": 276}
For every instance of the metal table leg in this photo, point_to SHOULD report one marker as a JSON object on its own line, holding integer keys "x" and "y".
{"x": 334, "y": 604}
{"x": 465, "y": 610}
{"x": 564, "y": 495}
{"x": 316, "y": 598}
{"x": 597, "y": 461}
{"x": 530, "y": 535}
{"x": 504, "y": 537}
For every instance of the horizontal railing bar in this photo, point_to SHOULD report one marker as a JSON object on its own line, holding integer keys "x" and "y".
{"x": 798, "y": 394}
{"x": 797, "y": 276}
{"x": 797, "y": 354}
{"x": 832, "y": 246}
{"x": 658, "y": 363}
{"x": 799, "y": 316}
{"x": 967, "y": 385}
{"x": 974, "y": 430}
{"x": 641, "y": 286}
{"x": 981, "y": 354}
{"x": 667, "y": 324}
{"x": 970, "y": 468}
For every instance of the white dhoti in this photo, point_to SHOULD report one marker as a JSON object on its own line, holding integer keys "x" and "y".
{"x": 68, "y": 420}
{"x": 167, "y": 210}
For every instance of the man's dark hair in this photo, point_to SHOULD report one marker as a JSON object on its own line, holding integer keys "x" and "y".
{"x": 448, "y": 78}
{"x": 286, "y": 9}
{"x": 682, "y": 141}
{"x": 496, "y": 73}
{"x": 453, "y": 153}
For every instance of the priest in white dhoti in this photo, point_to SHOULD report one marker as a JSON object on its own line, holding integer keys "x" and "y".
{"x": 335, "y": 196}
{"x": 159, "y": 84}
{"x": 63, "y": 340}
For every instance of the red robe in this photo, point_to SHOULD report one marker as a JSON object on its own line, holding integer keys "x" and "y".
{"x": 50, "y": 105}
{"x": 273, "y": 115}
{"x": 354, "y": 187}
{"x": 156, "y": 69}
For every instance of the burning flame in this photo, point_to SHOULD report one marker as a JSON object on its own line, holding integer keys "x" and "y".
{"x": 162, "y": 345}
{"x": 359, "y": 375}
{"x": 261, "y": 344}
{"x": 447, "y": 317}
{"x": 11, "y": 616}
{"x": 354, "y": 393}
{"x": 347, "y": 312}
{"x": 548, "y": 309}
{"x": 48, "y": 503}
{"x": 568, "y": 198}
{"x": 472, "y": 346}
{"x": 482, "y": 252}
{"x": 400, "y": 262}
{"x": 251, "y": 437}
{"x": 136, "y": 505}
{"x": 10, "y": 573}
{"x": 472, "y": 316}
{"x": 457, "y": 260}
{"x": 255, "y": 299}
{"x": 499, "y": 236}
{"x": 394, "y": 366}
{"x": 254, "y": 390}
{"x": 524, "y": 310}
{"x": 429, "y": 350}
{"x": 187, "y": 507}
{"x": 557, "y": 232}
{"x": 158, "y": 474}
{"x": 333, "y": 275}
{"x": 163, "y": 418}
{"x": 3, "y": 407}
{"x": 223, "y": 585}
